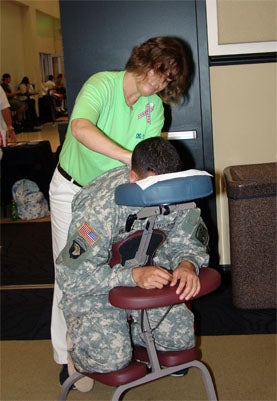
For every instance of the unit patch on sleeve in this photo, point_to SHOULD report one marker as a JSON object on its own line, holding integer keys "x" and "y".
{"x": 76, "y": 250}
{"x": 202, "y": 234}
{"x": 89, "y": 235}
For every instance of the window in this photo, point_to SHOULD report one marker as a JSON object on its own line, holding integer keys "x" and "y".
{"x": 49, "y": 65}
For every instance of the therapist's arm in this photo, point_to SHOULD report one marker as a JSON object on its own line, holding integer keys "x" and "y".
{"x": 90, "y": 136}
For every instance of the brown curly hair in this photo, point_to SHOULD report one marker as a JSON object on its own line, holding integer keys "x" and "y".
{"x": 170, "y": 58}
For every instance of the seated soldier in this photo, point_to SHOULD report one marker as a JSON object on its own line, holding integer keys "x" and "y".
{"x": 99, "y": 332}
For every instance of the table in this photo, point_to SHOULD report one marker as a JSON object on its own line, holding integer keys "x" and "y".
{"x": 31, "y": 160}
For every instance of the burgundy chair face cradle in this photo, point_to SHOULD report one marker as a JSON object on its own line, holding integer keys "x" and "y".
{"x": 148, "y": 364}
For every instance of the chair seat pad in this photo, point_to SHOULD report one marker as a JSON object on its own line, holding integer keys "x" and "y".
{"x": 168, "y": 358}
{"x": 133, "y": 371}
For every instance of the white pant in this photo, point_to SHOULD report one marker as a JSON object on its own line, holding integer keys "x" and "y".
{"x": 61, "y": 194}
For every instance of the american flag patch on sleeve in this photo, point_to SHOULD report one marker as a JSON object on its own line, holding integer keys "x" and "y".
{"x": 89, "y": 235}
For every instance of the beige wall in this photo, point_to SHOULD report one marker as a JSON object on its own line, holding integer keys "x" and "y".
{"x": 244, "y": 127}
{"x": 28, "y": 28}
{"x": 246, "y": 21}
{"x": 243, "y": 96}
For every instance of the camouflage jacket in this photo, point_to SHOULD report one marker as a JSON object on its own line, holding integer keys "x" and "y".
{"x": 83, "y": 272}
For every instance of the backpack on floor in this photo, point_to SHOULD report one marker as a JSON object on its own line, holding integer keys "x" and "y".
{"x": 30, "y": 201}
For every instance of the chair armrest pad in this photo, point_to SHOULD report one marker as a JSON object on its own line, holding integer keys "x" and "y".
{"x": 140, "y": 298}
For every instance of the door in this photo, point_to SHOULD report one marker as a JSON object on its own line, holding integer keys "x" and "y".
{"x": 99, "y": 36}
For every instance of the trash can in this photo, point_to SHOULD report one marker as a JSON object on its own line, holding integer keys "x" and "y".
{"x": 251, "y": 192}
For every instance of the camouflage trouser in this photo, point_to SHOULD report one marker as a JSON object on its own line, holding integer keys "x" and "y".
{"x": 102, "y": 342}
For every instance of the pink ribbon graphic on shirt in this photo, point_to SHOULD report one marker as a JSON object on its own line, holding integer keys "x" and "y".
{"x": 148, "y": 109}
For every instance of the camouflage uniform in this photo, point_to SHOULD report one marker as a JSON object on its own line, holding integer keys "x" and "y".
{"x": 100, "y": 332}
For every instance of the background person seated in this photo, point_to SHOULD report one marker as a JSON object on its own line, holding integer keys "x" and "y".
{"x": 60, "y": 88}
{"x": 17, "y": 105}
{"x": 27, "y": 96}
{"x": 49, "y": 88}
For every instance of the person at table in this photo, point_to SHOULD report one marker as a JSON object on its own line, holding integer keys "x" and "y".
{"x": 16, "y": 105}
{"x": 60, "y": 88}
{"x": 49, "y": 89}
{"x": 113, "y": 111}
{"x": 27, "y": 95}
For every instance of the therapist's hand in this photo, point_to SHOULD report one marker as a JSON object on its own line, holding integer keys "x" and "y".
{"x": 126, "y": 157}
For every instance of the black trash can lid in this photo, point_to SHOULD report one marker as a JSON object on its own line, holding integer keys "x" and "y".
{"x": 251, "y": 180}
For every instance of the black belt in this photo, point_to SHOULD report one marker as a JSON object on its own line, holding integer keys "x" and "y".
{"x": 67, "y": 176}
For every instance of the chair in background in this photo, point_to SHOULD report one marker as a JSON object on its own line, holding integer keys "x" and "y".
{"x": 62, "y": 127}
{"x": 47, "y": 107}
{"x": 148, "y": 364}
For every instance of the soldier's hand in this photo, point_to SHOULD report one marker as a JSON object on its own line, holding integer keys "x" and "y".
{"x": 151, "y": 277}
{"x": 189, "y": 284}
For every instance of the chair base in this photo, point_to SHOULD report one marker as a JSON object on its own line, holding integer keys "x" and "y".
{"x": 134, "y": 371}
{"x": 135, "y": 374}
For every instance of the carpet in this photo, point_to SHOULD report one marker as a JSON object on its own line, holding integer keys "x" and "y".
{"x": 243, "y": 368}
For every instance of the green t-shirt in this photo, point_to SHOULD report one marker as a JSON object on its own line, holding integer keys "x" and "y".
{"x": 101, "y": 101}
